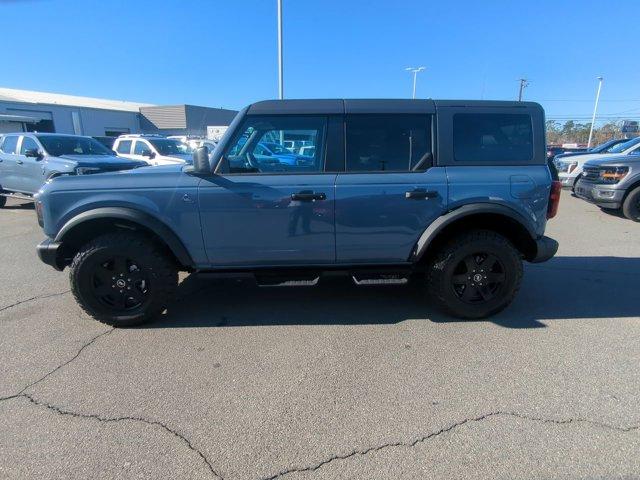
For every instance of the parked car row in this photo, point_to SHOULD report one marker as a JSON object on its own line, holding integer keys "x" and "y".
{"x": 570, "y": 167}
{"x": 28, "y": 160}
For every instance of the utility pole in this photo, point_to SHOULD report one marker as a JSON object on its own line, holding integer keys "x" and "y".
{"x": 280, "y": 63}
{"x": 524, "y": 83}
{"x": 595, "y": 109}
{"x": 415, "y": 71}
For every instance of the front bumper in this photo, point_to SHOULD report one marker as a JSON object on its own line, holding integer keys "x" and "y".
{"x": 50, "y": 253}
{"x": 606, "y": 196}
{"x": 546, "y": 248}
{"x": 567, "y": 179}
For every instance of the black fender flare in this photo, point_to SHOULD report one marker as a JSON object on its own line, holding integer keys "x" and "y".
{"x": 143, "y": 219}
{"x": 432, "y": 231}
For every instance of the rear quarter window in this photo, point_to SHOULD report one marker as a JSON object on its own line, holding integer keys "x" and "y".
{"x": 492, "y": 137}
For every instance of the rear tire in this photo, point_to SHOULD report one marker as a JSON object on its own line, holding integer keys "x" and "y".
{"x": 122, "y": 279}
{"x": 3, "y": 201}
{"x": 631, "y": 205}
{"x": 475, "y": 275}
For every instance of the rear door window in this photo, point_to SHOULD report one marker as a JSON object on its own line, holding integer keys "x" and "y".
{"x": 124, "y": 147}
{"x": 388, "y": 143}
{"x": 10, "y": 144}
{"x": 492, "y": 137}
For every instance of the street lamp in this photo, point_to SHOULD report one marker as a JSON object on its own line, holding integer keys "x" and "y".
{"x": 595, "y": 109}
{"x": 415, "y": 71}
{"x": 280, "y": 64}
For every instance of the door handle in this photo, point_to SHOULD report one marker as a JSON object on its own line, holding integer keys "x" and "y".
{"x": 420, "y": 194}
{"x": 308, "y": 196}
{"x": 19, "y": 162}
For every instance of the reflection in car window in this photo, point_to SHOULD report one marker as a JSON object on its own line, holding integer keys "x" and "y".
{"x": 28, "y": 143}
{"x": 70, "y": 145}
{"x": 260, "y": 145}
{"x": 492, "y": 137}
{"x": 9, "y": 144}
{"x": 398, "y": 143}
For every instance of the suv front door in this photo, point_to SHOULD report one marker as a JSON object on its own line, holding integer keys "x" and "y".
{"x": 259, "y": 211}
{"x": 390, "y": 191}
{"x": 29, "y": 169}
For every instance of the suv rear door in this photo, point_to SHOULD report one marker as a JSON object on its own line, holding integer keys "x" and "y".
{"x": 390, "y": 190}
{"x": 261, "y": 211}
{"x": 9, "y": 163}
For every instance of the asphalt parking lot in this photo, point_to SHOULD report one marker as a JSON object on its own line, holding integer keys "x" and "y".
{"x": 334, "y": 382}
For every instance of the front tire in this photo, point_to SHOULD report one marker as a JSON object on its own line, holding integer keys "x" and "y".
{"x": 475, "y": 275}
{"x": 122, "y": 279}
{"x": 631, "y": 205}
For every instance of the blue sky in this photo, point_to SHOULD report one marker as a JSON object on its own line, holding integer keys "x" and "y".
{"x": 223, "y": 53}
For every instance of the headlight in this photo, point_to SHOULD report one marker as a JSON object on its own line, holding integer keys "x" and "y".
{"x": 86, "y": 170}
{"x": 565, "y": 166}
{"x": 613, "y": 174}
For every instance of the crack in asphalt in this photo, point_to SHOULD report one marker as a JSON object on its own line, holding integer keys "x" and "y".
{"x": 62, "y": 365}
{"x": 100, "y": 418}
{"x": 453, "y": 426}
{"x": 22, "y": 394}
{"x": 37, "y": 297}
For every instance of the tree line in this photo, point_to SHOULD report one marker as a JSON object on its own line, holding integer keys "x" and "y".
{"x": 574, "y": 132}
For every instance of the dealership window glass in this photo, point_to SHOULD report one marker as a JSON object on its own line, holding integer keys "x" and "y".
{"x": 492, "y": 137}
{"x": 394, "y": 143}
{"x": 124, "y": 147}
{"x": 28, "y": 143}
{"x": 272, "y": 144}
{"x": 10, "y": 144}
{"x": 141, "y": 147}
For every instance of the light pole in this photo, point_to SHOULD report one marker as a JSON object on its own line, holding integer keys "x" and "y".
{"x": 595, "y": 109}
{"x": 524, "y": 83}
{"x": 280, "y": 63}
{"x": 415, "y": 71}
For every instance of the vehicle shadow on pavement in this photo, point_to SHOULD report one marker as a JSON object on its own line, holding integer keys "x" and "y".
{"x": 562, "y": 289}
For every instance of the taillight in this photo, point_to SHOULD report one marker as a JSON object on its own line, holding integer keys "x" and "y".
{"x": 554, "y": 199}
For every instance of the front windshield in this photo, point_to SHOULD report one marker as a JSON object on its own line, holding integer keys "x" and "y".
{"x": 168, "y": 146}
{"x": 69, "y": 145}
{"x": 621, "y": 147}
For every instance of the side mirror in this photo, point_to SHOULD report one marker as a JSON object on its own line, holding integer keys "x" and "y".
{"x": 32, "y": 152}
{"x": 201, "y": 160}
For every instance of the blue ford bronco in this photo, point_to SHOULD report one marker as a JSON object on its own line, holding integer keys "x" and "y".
{"x": 451, "y": 194}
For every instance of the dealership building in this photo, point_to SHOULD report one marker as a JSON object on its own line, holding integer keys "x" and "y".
{"x": 29, "y": 111}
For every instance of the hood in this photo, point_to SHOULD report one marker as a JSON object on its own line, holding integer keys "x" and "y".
{"x": 102, "y": 161}
{"x": 186, "y": 157}
{"x": 582, "y": 159}
{"x": 615, "y": 160}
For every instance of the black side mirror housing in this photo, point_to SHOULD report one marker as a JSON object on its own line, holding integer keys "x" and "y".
{"x": 33, "y": 152}
{"x": 201, "y": 163}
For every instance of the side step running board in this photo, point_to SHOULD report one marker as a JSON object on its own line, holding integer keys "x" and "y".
{"x": 266, "y": 281}
{"x": 18, "y": 196}
{"x": 380, "y": 279}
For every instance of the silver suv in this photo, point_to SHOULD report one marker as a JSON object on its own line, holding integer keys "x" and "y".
{"x": 612, "y": 183}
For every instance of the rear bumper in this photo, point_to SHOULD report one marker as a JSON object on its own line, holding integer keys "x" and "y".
{"x": 546, "y": 248}
{"x": 50, "y": 253}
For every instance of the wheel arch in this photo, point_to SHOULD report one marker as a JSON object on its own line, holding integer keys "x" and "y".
{"x": 92, "y": 223}
{"x": 498, "y": 218}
